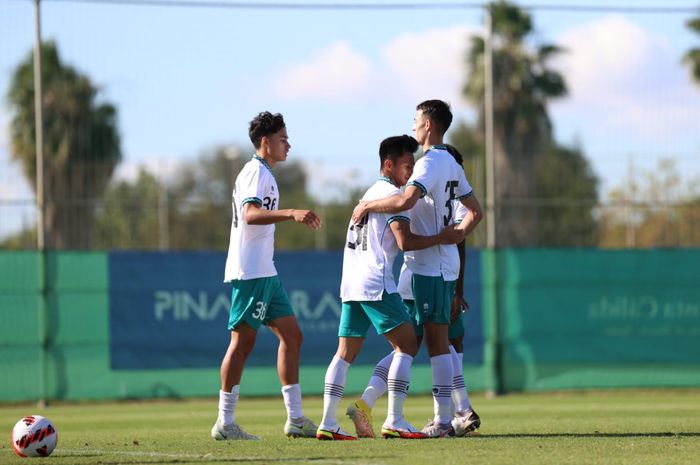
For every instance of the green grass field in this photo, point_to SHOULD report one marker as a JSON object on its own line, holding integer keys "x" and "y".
{"x": 615, "y": 427}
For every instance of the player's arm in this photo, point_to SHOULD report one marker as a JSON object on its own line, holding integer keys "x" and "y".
{"x": 473, "y": 216}
{"x": 459, "y": 303}
{"x": 391, "y": 204}
{"x": 407, "y": 241}
{"x": 253, "y": 213}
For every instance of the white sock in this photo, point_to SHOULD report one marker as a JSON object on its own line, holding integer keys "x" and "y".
{"x": 377, "y": 385}
{"x": 333, "y": 392}
{"x": 399, "y": 379}
{"x": 291, "y": 394}
{"x": 460, "y": 397}
{"x": 227, "y": 405}
{"x": 442, "y": 387}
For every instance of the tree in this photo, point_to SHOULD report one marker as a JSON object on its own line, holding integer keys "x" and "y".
{"x": 130, "y": 215}
{"x": 81, "y": 145}
{"x": 200, "y": 202}
{"x": 192, "y": 210}
{"x": 523, "y": 85}
{"x": 692, "y": 58}
{"x": 565, "y": 190}
{"x": 652, "y": 209}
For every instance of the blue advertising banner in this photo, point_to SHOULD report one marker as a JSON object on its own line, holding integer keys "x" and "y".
{"x": 170, "y": 310}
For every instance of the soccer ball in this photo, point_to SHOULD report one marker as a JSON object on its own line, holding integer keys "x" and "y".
{"x": 34, "y": 436}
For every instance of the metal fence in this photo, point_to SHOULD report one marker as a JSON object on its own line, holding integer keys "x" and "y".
{"x": 630, "y": 116}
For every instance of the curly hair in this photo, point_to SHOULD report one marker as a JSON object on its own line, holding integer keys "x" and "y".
{"x": 264, "y": 124}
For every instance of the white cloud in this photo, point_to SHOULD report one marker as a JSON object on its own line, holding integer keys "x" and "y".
{"x": 626, "y": 78}
{"x": 160, "y": 166}
{"x": 16, "y": 197}
{"x": 428, "y": 64}
{"x": 336, "y": 72}
{"x": 4, "y": 129}
{"x": 334, "y": 183}
{"x": 13, "y": 185}
{"x": 413, "y": 66}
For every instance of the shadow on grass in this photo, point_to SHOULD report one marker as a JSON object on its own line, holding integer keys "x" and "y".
{"x": 585, "y": 435}
{"x": 155, "y": 459}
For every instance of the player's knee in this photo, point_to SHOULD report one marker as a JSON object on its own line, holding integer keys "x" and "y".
{"x": 293, "y": 339}
{"x": 406, "y": 344}
{"x": 241, "y": 349}
{"x": 409, "y": 347}
{"x": 457, "y": 344}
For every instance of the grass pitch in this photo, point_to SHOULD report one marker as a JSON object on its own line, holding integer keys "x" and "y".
{"x": 608, "y": 427}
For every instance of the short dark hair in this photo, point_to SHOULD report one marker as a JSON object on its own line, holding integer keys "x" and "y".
{"x": 455, "y": 153}
{"x": 264, "y": 124}
{"x": 439, "y": 112}
{"x": 393, "y": 147}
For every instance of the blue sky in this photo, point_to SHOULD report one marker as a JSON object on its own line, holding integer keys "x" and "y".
{"x": 188, "y": 79}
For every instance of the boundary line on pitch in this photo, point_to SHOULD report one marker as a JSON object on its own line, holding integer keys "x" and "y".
{"x": 60, "y": 452}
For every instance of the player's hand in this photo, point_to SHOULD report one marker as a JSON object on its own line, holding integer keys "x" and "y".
{"x": 359, "y": 212}
{"x": 451, "y": 235}
{"x": 459, "y": 305}
{"x": 308, "y": 218}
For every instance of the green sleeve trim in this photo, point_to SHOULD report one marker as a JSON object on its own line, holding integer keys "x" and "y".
{"x": 398, "y": 218}
{"x": 251, "y": 200}
{"x": 420, "y": 186}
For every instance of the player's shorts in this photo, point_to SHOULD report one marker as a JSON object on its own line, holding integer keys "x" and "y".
{"x": 385, "y": 315}
{"x": 455, "y": 330}
{"x": 411, "y": 306}
{"x": 258, "y": 301}
{"x": 433, "y": 299}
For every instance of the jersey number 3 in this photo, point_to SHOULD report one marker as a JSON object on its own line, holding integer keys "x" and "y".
{"x": 360, "y": 231}
{"x": 449, "y": 187}
{"x": 268, "y": 203}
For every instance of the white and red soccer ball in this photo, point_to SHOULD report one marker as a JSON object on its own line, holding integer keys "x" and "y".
{"x": 34, "y": 436}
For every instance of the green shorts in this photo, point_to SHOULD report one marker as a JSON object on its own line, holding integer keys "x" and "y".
{"x": 455, "y": 330}
{"x": 258, "y": 301}
{"x": 385, "y": 315}
{"x": 433, "y": 299}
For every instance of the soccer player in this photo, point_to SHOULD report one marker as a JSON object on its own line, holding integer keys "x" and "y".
{"x": 368, "y": 292}
{"x": 465, "y": 419}
{"x": 436, "y": 181}
{"x": 258, "y": 296}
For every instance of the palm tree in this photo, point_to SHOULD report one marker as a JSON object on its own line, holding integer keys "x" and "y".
{"x": 81, "y": 145}
{"x": 692, "y": 58}
{"x": 523, "y": 84}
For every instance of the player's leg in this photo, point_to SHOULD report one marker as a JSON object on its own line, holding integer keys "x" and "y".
{"x": 351, "y": 335}
{"x": 465, "y": 419}
{"x": 240, "y": 346}
{"x": 360, "y": 411}
{"x": 334, "y": 386}
{"x": 433, "y": 297}
{"x": 405, "y": 348}
{"x": 390, "y": 318}
{"x": 282, "y": 322}
{"x": 377, "y": 385}
{"x": 246, "y": 296}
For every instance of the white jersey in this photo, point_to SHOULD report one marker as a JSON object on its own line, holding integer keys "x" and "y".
{"x": 371, "y": 250}
{"x": 405, "y": 285}
{"x": 251, "y": 247}
{"x": 441, "y": 180}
